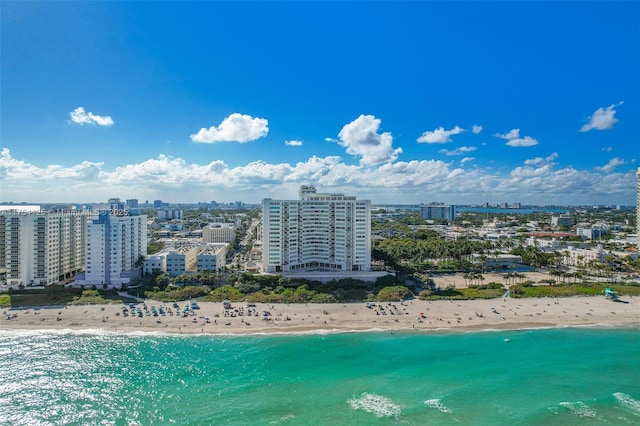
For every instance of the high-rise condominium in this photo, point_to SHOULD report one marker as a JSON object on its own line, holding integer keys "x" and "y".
{"x": 39, "y": 248}
{"x": 113, "y": 246}
{"x": 317, "y": 232}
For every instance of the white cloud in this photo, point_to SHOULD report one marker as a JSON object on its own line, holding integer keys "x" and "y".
{"x": 612, "y": 164}
{"x": 80, "y": 116}
{"x": 235, "y": 128}
{"x": 476, "y": 129}
{"x": 330, "y": 140}
{"x": 513, "y": 134}
{"x": 602, "y": 119}
{"x": 540, "y": 160}
{"x": 458, "y": 151}
{"x": 439, "y": 135}
{"x": 514, "y": 139}
{"x": 608, "y": 149}
{"x": 361, "y": 138}
{"x": 522, "y": 142}
{"x": 176, "y": 180}
{"x": 293, "y": 143}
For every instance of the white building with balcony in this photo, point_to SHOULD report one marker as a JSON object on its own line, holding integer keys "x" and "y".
{"x": 187, "y": 258}
{"x": 572, "y": 256}
{"x": 41, "y": 248}
{"x": 113, "y": 246}
{"x": 318, "y": 232}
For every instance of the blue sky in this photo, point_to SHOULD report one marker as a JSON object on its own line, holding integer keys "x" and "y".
{"x": 397, "y": 102}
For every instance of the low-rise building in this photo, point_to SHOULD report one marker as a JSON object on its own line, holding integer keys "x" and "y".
{"x": 219, "y": 233}
{"x": 212, "y": 258}
{"x": 187, "y": 258}
{"x": 562, "y": 220}
{"x": 572, "y": 256}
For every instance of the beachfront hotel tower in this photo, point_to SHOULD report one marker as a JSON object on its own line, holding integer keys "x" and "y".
{"x": 638, "y": 207}
{"x": 113, "y": 246}
{"x": 39, "y": 248}
{"x": 318, "y": 232}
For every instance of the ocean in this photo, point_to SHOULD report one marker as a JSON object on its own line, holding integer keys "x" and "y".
{"x": 568, "y": 376}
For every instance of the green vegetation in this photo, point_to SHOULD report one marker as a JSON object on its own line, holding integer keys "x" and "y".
{"x": 59, "y": 295}
{"x": 486, "y": 291}
{"x": 154, "y": 247}
{"x": 173, "y": 294}
{"x": 563, "y": 290}
{"x": 393, "y": 294}
{"x": 5, "y": 300}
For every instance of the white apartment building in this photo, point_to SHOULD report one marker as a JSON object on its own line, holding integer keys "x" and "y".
{"x": 324, "y": 232}
{"x": 572, "y": 256}
{"x": 219, "y": 233}
{"x": 212, "y": 258}
{"x": 187, "y": 258}
{"x": 561, "y": 220}
{"x": 181, "y": 260}
{"x": 113, "y": 246}
{"x": 40, "y": 248}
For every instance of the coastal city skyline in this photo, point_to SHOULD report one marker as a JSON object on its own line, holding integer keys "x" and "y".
{"x": 398, "y": 103}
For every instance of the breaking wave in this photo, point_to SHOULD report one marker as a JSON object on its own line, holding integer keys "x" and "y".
{"x": 379, "y": 405}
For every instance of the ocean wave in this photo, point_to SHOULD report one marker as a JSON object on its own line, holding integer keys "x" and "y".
{"x": 81, "y": 332}
{"x": 437, "y": 404}
{"x": 311, "y": 332}
{"x": 580, "y": 409}
{"x": 627, "y": 401}
{"x": 379, "y": 405}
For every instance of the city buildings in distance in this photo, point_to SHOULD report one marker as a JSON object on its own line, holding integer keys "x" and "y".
{"x": 438, "y": 211}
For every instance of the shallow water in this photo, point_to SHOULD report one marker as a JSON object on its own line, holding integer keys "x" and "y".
{"x": 554, "y": 376}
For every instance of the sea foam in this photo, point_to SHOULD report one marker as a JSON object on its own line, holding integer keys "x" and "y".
{"x": 379, "y": 405}
{"x": 627, "y": 401}
{"x": 436, "y": 403}
{"x": 579, "y": 409}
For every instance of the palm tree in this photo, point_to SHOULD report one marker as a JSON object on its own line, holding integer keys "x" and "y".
{"x": 507, "y": 278}
{"x": 466, "y": 277}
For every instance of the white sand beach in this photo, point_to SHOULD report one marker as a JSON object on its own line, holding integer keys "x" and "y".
{"x": 415, "y": 315}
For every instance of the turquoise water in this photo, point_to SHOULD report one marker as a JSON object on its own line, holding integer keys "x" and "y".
{"x": 531, "y": 377}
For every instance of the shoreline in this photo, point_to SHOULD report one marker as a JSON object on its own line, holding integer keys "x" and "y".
{"x": 420, "y": 316}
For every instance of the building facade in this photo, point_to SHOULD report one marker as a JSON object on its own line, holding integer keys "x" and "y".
{"x": 113, "y": 246}
{"x": 169, "y": 214}
{"x": 41, "y": 248}
{"x": 437, "y": 211}
{"x": 572, "y": 256}
{"x": 328, "y": 232}
{"x": 219, "y": 233}
{"x": 562, "y": 220}
{"x": 187, "y": 258}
